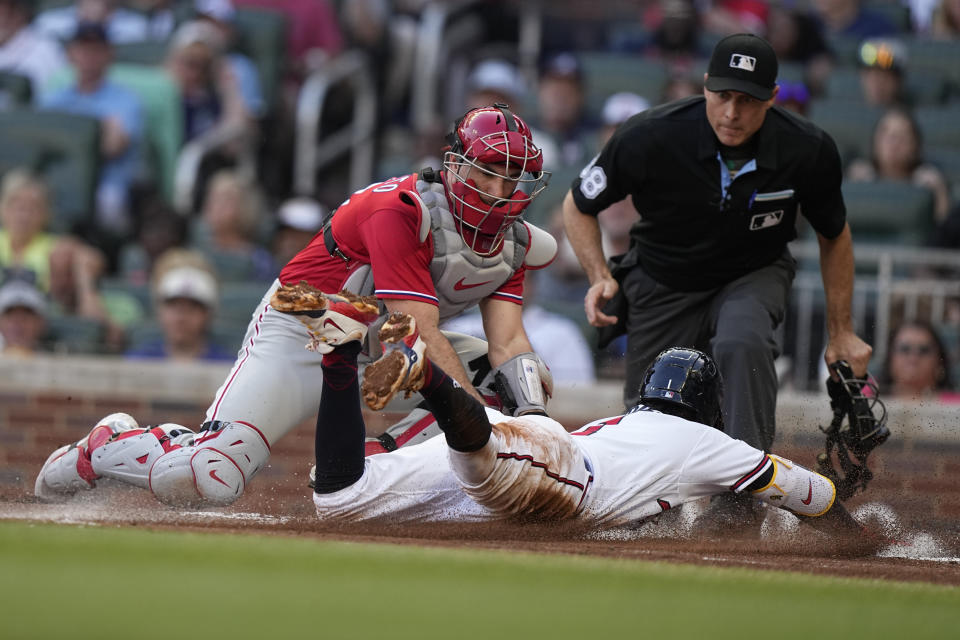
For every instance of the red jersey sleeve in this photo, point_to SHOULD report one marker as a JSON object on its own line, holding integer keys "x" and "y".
{"x": 512, "y": 289}
{"x": 382, "y": 230}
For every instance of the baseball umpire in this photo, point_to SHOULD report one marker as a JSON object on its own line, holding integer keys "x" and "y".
{"x": 718, "y": 181}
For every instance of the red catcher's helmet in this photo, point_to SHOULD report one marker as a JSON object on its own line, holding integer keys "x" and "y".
{"x": 491, "y": 142}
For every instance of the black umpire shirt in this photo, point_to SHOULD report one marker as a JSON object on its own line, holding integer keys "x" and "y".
{"x": 690, "y": 237}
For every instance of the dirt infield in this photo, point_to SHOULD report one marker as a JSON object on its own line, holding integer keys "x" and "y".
{"x": 917, "y": 555}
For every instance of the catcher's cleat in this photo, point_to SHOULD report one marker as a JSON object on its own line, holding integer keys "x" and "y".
{"x": 400, "y": 368}
{"x": 331, "y": 319}
{"x": 68, "y": 469}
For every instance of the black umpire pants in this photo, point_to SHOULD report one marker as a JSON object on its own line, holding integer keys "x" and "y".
{"x": 736, "y": 324}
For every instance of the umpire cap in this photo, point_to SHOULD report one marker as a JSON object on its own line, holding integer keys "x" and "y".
{"x": 743, "y": 62}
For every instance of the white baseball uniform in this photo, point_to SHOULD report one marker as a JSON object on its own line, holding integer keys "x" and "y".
{"x": 610, "y": 472}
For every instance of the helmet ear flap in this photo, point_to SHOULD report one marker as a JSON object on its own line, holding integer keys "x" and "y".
{"x": 453, "y": 138}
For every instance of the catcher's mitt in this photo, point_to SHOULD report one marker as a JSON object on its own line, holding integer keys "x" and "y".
{"x": 293, "y": 298}
{"x": 856, "y": 400}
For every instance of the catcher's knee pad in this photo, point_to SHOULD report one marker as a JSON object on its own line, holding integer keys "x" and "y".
{"x": 214, "y": 470}
{"x": 129, "y": 456}
{"x": 796, "y": 488}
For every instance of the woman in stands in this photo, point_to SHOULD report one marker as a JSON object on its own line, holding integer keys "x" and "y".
{"x": 917, "y": 364}
{"x": 897, "y": 154}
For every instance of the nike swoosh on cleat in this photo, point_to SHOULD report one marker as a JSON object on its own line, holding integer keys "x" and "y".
{"x": 331, "y": 321}
{"x": 213, "y": 474}
{"x": 809, "y": 492}
{"x": 460, "y": 285}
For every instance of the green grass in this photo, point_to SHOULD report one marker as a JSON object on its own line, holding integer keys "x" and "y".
{"x": 59, "y": 581}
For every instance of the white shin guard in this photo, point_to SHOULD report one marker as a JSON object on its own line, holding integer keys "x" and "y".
{"x": 797, "y": 489}
{"x": 213, "y": 471}
{"x": 130, "y": 458}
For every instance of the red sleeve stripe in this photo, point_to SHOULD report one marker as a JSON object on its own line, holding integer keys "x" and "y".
{"x": 510, "y": 297}
{"x": 398, "y": 294}
{"x": 541, "y": 465}
{"x": 757, "y": 471}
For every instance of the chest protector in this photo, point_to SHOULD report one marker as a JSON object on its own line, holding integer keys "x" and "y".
{"x": 460, "y": 276}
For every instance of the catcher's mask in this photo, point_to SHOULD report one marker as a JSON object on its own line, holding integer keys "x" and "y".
{"x": 494, "y": 171}
{"x": 685, "y": 383}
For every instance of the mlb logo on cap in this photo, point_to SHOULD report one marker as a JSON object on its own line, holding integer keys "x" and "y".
{"x": 740, "y": 61}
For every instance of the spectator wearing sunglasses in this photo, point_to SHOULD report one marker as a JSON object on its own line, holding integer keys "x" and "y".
{"x": 917, "y": 365}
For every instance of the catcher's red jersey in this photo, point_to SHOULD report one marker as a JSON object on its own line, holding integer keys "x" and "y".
{"x": 375, "y": 226}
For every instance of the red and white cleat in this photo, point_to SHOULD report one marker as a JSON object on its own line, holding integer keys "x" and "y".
{"x": 400, "y": 368}
{"x": 68, "y": 469}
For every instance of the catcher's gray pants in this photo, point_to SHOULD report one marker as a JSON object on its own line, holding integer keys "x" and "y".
{"x": 735, "y": 323}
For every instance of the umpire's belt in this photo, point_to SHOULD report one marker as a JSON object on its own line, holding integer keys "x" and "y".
{"x": 329, "y": 242}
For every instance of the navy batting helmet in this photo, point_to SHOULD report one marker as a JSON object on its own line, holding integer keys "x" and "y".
{"x": 685, "y": 383}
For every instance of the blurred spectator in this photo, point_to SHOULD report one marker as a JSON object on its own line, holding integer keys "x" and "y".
{"x": 565, "y": 280}
{"x": 797, "y": 37}
{"x": 210, "y": 92}
{"x": 726, "y": 17}
{"x": 897, "y": 154}
{"x": 555, "y": 336}
{"x": 63, "y": 267}
{"x": 917, "y": 365}
{"x": 794, "y": 96}
{"x": 23, "y": 318}
{"x": 25, "y": 246}
{"x": 121, "y": 25}
{"x": 160, "y": 15}
{"x": 680, "y": 85}
{"x": 298, "y": 220}
{"x": 563, "y": 130}
{"x": 121, "y": 122}
{"x": 676, "y": 34}
{"x": 850, "y": 19}
{"x": 230, "y": 219}
{"x": 947, "y": 233}
{"x": 617, "y": 109}
{"x": 313, "y": 31}
{"x": 220, "y": 15}
{"x": 160, "y": 229}
{"x": 389, "y": 39}
{"x": 185, "y": 295}
{"x": 882, "y": 66}
{"x": 25, "y": 51}
{"x": 495, "y": 80}
{"x": 945, "y": 23}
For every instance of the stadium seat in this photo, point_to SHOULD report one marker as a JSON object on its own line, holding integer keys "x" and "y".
{"x": 935, "y": 56}
{"x": 238, "y": 300}
{"x": 850, "y": 123}
{"x": 65, "y": 149}
{"x": 15, "y": 90}
{"x": 149, "y": 52}
{"x": 74, "y": 335}
{"x": 607, "y": 73}
{"x": 940, "y": 125}
{"x": 924, "y": 87}
{"x": 947, "y": 159}
{"x": 163, "y": 111}
{"x": 887, "y": 212}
